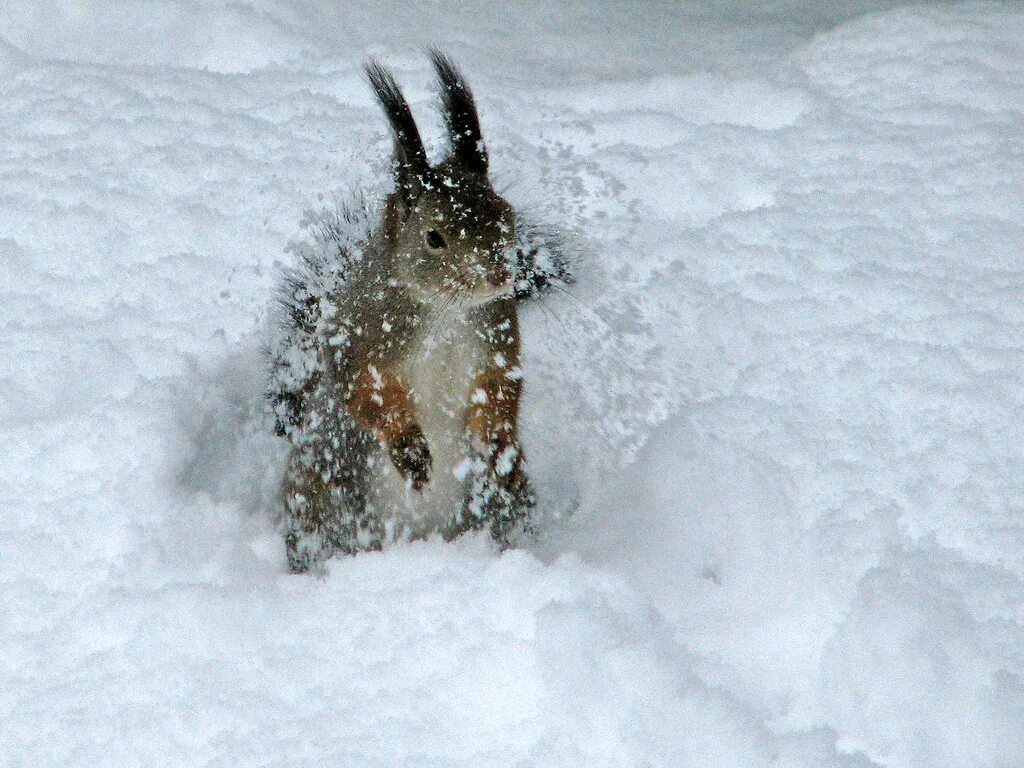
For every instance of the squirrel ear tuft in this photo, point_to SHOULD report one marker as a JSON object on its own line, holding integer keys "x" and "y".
{"x": 410, "y": 160}
{"x": 460, "y": 115}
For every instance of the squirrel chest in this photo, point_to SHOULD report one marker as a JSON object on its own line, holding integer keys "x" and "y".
{"x": 439, "y": 367}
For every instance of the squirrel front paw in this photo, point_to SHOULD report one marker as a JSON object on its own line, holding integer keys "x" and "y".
{"x": 503, "y": 461}
{"x": 411, "y": 457}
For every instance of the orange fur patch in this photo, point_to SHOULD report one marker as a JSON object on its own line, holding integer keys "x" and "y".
{"x": 382, "y": 404}
{"x": 494, "y": 405}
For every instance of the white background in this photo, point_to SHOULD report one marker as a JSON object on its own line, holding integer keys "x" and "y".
{"x": 778, "y": 431}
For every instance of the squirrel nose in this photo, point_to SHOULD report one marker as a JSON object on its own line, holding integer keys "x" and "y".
{"x": 498, "y": 276}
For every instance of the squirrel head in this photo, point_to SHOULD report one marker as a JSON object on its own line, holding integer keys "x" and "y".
{"x": 452, "y": 235}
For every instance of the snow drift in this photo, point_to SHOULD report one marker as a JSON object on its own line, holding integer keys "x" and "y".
{"x": 776, "y": 429}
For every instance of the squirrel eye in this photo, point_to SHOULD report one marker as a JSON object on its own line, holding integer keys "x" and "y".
{"x": 434, "y": 240}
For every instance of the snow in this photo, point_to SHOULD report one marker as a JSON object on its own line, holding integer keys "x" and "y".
{"x": 776, "y": 429}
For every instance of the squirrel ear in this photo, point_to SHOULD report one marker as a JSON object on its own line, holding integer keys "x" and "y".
{"x": 410, "y": 160}
{"x": 460, "y": 115}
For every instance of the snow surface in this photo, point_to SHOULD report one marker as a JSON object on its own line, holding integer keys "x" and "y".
{"x": 777, "y": 431}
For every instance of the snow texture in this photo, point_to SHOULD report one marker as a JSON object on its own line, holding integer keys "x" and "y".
{"x": 776, "y": 430}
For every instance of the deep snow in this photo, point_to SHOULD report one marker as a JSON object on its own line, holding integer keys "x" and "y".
{"x": 777, "y": 431}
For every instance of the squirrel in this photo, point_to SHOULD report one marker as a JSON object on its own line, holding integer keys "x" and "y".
{"x": 398, "y": 379}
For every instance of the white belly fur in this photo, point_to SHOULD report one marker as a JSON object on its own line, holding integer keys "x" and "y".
{"x": 440, "y": 371}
